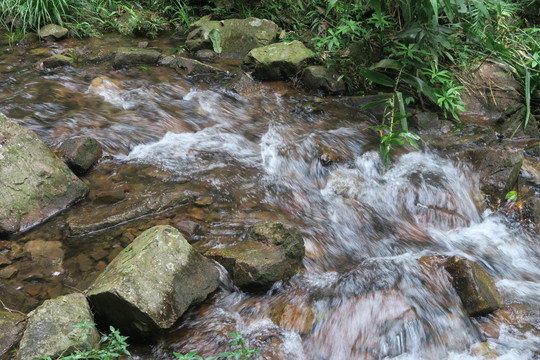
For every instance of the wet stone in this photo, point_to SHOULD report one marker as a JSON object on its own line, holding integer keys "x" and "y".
{"x": 11, "y": 330}
{"x": 99, "y": 254}
{"x": 474, "y": 286}
{"x": 4, "y": 260}
{"x": 52, "y": 32}
{"x": 15, "y": 299}
{"x": 85, "y": 262}
{"x": 8, "y": 272}
{"x": 187, "y": 228}
{"x": 80, "y": 153}
{"x": 57, "y": 61}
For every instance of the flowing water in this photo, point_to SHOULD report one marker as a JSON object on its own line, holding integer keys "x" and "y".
{"x": 365, "y": 290}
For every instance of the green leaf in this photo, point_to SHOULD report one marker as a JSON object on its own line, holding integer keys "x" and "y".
{"x": 372, "y": 104}
{"x": 420, "y": 85}
{"x": 512, "y": 195}
{"x": 215, "y": 37}
{"x": 387, "y": 64}
{"x": 379, "y": 78}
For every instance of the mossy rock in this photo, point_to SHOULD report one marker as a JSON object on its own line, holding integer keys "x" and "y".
{"x": 34, "y": 183}
{"x": 54, "y": 329}
{"x": 278, "y": 61}
{"x": 147, "y": 287}
{"x": 238, "y": 36}
{"x": 271, "y": 253}
{"x": 132, "y": 56}
{"x": 11, "y": 330}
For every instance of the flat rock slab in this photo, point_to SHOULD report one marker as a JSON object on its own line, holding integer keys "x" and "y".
{"x": 34, "y": 183}
{"x": 11, "y": 330}
{"x": 148, "y": 286}
{"x": 128, "y": 56}
{"x": 54, "y": 329}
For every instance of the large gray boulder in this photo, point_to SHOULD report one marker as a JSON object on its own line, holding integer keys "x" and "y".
{"x": 238, "y": 36}
{"x": 148, "y": 286}
{"x": 132, "y": 56}
{"x": 11, "y": 330}
{"x": 56, "y": 328}
{"x": 34, "y": 183}
{"x": 278, "y": 61}
{"x": 271, "y": 253}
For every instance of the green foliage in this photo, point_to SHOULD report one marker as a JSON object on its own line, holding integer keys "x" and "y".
{"x": 215, "y": 37}
{"x": 242, "y": 351}
{"x": 512, "y": 195}
{"x": 112, "y": 346}
{"x": 32, "y": 14}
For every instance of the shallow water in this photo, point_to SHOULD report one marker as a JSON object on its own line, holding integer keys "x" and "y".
{"x": 362, "y": 293}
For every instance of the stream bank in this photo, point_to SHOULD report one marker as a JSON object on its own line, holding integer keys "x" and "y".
{"x": 185, "y": 149}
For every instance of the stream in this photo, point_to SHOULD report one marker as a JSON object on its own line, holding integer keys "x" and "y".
{"x": 364, "y": 291}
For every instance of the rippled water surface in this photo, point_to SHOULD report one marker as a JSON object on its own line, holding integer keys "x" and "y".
{"x": 363, "y": 292}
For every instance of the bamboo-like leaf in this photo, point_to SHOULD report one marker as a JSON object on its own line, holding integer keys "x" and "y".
{"x": 420, "y": 85}
{"x": 379, "y": 78}
{"x": 387, "y": 64}
{"x": 527, "y": 96}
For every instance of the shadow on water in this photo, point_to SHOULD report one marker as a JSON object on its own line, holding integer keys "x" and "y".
{"x": 192, "y": 151}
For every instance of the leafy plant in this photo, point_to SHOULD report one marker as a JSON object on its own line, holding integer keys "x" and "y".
{"x": 112, "y": 346}
{"x": 242, "y": 351}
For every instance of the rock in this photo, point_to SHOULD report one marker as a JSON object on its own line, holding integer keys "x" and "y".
{"x": 80, "y": 153}
{"x": 491, "y": 90}
{"x": 148, "y": 286}
{"x": 11, "y": 330}
{"x": 8, "y": 272}
{"x": 142, "y": 44}
{"x": 128, "y": 56}
{"x": 54, "y": 329}
{"x": 57, "y": 61}
{"x": 34, "y": 184}
{"x": 205, "y": 54}
{"x": 483, "y": 350}
{"x": 187, "y": 228}
{"x": 28, "y": 39}
{"x": 15, "y": 299}
{"x": 278, "y": 61}
{"x": 188, "y": 66}
{"x": 326, "y": 155}
{"x": 321, "y": 78}
{"x": 238, "y": 36}
{"x": 499, "y": 171}
{"x": 242, "y": 83}
{"x": 52, "y": 32}
{"x": 474, "y": 286}
{"x": 294, "y": 318}
{"x": 271, "y": 253}
{"x": 133, "y": 208}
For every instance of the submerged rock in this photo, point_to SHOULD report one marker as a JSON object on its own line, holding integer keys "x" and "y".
{"x": 238, "y": 36}
{"x": 148, "y": 286}
{"x": 321, "y": 78}
{"x": 278, "y": 61}
{"x": 57, "y": 61}
{"x": 55, "y": 329}
{"x": 34, "y": 183}
{"x": 188, "y": 66}
{"x": 474, "y": 286}
{"x": 52, "y": 32}
{"x": 11, "y": 330}
{"x": 271, "y": 253}
{"x": 131, "y": 56}
{"x": 80, "y": 153}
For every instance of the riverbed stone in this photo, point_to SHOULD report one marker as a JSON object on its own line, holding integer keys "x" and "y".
{"x": 11, "y": 330}
{"x": 323, "y": 79}
{"x": 499, "y": 171}
{"x": 271, "y": 253}
{"x": 187, "y": 66}
{"x": 278, "y": 61}
{"x": 54, "y": 329}
{"x": 34, "y": 183}
{"x": 490, "y": 90}
{"x": 133, "y": 56}
{"x": 80, "y": 153}
{"x": 52, "y": 32}
{"x": 148, "y": 286}
{"x": 474, "y": 286}
{"x": 57, "y": 61}
{"x": 243, "y": 84}
{"x": 238, "y": 36}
